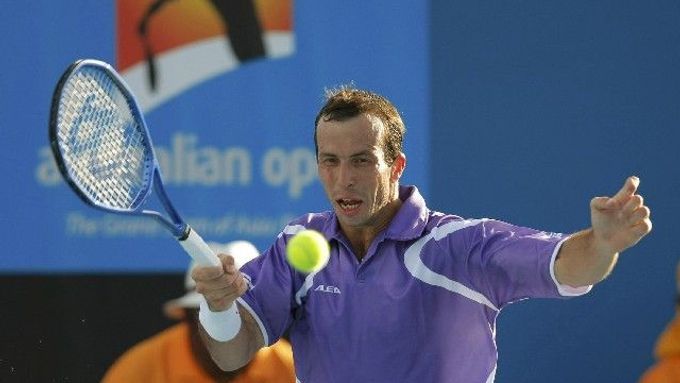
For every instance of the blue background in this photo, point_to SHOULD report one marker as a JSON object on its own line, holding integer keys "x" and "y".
{"x": 521, "y": 111}
{"x": 538, "y": 106}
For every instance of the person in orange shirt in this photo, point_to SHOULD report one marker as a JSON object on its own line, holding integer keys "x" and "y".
{"x": 667, "y": 350}
{"x": 177, "y": 355}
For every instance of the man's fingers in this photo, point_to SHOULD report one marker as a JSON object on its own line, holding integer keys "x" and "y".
{"x": 640, "y": 214}
{"x": 622, "y": 198}
{"x": 643, "y": 227}
{"x": 229, "y": 292}
{"x": 628, "y": 189}
{"x": 599, "y": 203}
{"x": 241, "y": 285}
{"x": 633, "y": 203}
{"x": 228, "y": 263}
{"x": 207, "y": 273}
{"x": 220, "y": 285}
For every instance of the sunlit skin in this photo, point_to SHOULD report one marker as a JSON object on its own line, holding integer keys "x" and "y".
{"x": 361, "y": 187}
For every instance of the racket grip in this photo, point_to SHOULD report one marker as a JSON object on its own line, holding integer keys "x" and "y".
{"x": 199, "y": 250}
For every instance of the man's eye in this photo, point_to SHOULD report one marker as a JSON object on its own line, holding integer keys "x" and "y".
{"x": 329, "y": 161}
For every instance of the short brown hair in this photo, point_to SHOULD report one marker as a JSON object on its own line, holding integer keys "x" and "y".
{"x": 346, "y": 102}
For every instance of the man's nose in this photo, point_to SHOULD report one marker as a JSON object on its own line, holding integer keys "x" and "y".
{"x": 346, "y": 175}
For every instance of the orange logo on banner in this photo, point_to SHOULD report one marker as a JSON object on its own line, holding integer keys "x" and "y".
{"x": 167, "y": 46}
{"x": 172, "y": 23}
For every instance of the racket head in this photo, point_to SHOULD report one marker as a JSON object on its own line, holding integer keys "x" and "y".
{"x": 99, "y": 138}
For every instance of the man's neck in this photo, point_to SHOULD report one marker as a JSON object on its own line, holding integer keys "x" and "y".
{"x": 361, "y": 238}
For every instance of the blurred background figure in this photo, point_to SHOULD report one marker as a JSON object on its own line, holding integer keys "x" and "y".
{"x": 177, "y": 354}
{"x": 667, "y": 349}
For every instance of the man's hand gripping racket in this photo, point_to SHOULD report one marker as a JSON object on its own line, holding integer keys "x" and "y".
{"x": 102, "y": 147}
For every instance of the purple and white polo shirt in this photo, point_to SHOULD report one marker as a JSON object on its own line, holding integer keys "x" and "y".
{"x": 420, "y": 307}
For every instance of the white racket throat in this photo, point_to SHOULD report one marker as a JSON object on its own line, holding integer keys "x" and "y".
{"x": 199, "y": 250}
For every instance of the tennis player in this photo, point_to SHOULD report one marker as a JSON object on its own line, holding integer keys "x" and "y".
{"x": 409, "y": 294}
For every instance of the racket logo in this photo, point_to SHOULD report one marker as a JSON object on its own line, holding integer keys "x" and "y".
{"x": 101, "y": 160}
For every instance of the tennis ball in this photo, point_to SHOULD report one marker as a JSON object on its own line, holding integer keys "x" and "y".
{"x": 307, "y": 251}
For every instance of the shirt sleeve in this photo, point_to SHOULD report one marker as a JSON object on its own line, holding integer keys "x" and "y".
{"x": 269, "y": 296}
{"x": 512, "y": 263}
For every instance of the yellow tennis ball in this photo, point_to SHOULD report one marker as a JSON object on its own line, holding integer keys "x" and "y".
{"x": 308, "y": 251}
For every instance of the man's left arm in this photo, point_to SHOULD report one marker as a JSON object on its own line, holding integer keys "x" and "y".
{"x": 618, "y": 222}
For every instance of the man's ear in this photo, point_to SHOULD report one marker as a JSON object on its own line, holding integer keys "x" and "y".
{"x": 398, "y": 167}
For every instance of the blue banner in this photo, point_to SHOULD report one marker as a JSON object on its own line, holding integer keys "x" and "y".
{"x": 231, "y": 114}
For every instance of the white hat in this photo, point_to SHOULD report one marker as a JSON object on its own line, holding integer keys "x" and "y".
{"x": 242, "y": 251}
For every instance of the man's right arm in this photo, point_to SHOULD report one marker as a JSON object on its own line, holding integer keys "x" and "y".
{"x": 220, "y": 286}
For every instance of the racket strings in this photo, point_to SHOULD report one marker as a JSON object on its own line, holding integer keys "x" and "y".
{"x": 103, "y": 144}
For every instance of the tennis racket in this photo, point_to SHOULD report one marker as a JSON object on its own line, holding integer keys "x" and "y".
{"x": 102, "y": 147}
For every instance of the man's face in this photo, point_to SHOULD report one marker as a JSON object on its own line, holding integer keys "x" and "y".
{"x": 358, "y": 182}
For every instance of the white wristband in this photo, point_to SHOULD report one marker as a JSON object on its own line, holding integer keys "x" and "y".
{"x": 222, "y": 325}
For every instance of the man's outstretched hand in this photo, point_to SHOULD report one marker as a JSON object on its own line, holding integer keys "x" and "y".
{"x": 619, "y": 222}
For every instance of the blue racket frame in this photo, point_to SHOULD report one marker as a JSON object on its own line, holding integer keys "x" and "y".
{"x": 153, "y": 178}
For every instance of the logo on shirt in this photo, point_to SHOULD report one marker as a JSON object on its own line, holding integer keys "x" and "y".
{"x": 327, "y": 289}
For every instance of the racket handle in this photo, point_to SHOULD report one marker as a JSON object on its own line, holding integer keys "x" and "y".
{"x": 199, "y": 250}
